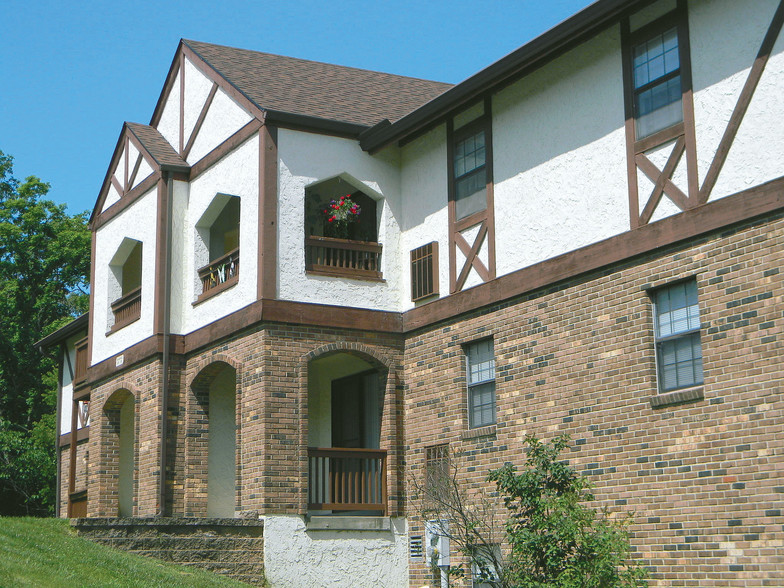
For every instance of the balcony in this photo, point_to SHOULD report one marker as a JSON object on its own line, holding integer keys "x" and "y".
{"x": 219, "y": 274}
{"x": 347, "y": 479}
{"x": 127, "y": 309}
{"x": 343, "y": 258}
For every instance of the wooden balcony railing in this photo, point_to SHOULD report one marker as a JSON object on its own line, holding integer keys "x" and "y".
{"x": 127, "y": 309}
{"x": 80, "y": 369}
{"x": 347, "y": 479}
{"x": 219, "y": 274}
{"x": 342, "y": 257}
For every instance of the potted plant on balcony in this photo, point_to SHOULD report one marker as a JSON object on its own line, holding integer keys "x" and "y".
{"x": 340, "y": 215}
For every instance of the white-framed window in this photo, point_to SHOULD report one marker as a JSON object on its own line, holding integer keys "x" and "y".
{"x": 677, "y": 329}
{"x": 480, "y": 377}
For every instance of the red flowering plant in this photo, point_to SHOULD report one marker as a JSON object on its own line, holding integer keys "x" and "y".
{"x": 340, "y": 214}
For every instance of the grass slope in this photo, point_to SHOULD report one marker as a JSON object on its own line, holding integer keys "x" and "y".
{"x": 47, "y": 553}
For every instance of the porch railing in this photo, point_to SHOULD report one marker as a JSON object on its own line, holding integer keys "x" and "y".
{"x": 347, "y": 479}
{"x": 343, "y": 257}
{"x": 219, "y": 274}
{"x": 127, "y": 308}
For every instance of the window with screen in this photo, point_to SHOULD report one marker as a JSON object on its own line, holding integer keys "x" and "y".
{"x": 678, "y": 345}
{"x": 480, "y": 375}
{"x": 656, "y": 71}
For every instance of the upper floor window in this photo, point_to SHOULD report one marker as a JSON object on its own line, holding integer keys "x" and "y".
{"x": 469, "y": 173}
{"x": 125, "y": 285}
{"x": 341, "y": 231}
{"x": 218, "y": 246}
{"x": 480, "y": 376}
{"x": 657, "y": 83}
{"x": 657, "y": 73}
{"x": 678, "y": 344}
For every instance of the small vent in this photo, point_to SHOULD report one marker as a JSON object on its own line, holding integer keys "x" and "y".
{"x": 424, "y": 271}
{"x": 415, "y": 547}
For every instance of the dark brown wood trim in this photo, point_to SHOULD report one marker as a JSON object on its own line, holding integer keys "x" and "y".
{"x": 171, "y": 77}
{"x": 230, "y": 89}
{"x": 743, "y": 206}
{"x": 658, "y": 177}
{"x": 181, "y": 146}
{"x": 82, "y": 393}
{"x": 200, "y": 121}
{"x": 81, "y": 435}
{"x": 117, "y": 186}
{"x": 450, "y": 195}
{"x": 131, "y": 197}
{"x": 687, "y": 103}
{"x": 742, "y": 105}
{"x": 125, "y": 171}
{"x": 471, "y": 255}
{"x": 658, "y": 138}
{"x": 132, "y": 356}
{"x": 659, "y": 184}
{"x": 312, "y": 124}
{"x": 160, "y": 255}
{"x": 225, "y": 148}
{"x": 628, "y": 106}
{"x": 72, "y": 451}
{"x": 267, "y": 260}
{"x": 490, "y": 220}
{"x": 135, "y": 171}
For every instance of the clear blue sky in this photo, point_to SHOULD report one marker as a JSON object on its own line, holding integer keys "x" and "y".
{"x": 73, "y": 72}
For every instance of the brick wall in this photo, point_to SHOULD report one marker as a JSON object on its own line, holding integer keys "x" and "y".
{"x": 703, "y": 478}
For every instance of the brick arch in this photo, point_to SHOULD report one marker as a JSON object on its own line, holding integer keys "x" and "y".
{"x": 391, "y": 434}
{"x": 109, "y": 449}
{"x": 372, "y": 355}
{"x": 197, "y": 425}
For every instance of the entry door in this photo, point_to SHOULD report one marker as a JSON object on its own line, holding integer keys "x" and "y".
{"x": 348, "y": 410}
{"x": 355, "y": 411}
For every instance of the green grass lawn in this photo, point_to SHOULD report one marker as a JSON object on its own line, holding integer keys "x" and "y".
{"x": 47, "y": 552}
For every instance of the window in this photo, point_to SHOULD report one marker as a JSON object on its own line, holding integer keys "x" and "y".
{"x": 217, "y": 241}
{"x": 656, "y": 74}
{"x": 125, "y": 285}
{"x": 424, "y": 271}
{"x": 470, "y": 173}
{"x": 437, "y": 472}
{"x": 485, "y": 561}
{"x": 480, "y": 372}
{"x": 657, "y": 82}
{"x": 678, "y": 346}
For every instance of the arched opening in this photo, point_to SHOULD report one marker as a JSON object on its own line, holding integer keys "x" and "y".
{"x": 212, "y": 441}
{"x": 347, "y": 466}
{"x": 217, "y": 246}
{"x": 125, "y": 284}
{"x": 119, "y": 450}
{"x": 341, "y": 229}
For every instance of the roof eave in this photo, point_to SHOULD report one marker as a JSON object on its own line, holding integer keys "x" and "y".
{"x": 67, "y": 331}
{"x": 531, "y": 56}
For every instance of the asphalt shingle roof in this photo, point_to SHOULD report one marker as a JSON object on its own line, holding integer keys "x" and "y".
{"x": 322, "y": 90}
{"x": 156, "y": 145}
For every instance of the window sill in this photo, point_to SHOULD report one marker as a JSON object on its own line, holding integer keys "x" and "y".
{"x": 677, "y": 397}
{"x": 117, "y": 326}
{"x": 366, "y": 275}
{"x": 216, "y": 290}
{"x": 488, "y": 431}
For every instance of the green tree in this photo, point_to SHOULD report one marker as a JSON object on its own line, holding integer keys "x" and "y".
{"x": 44, "y": 261}
{"x": 557, "y": 540}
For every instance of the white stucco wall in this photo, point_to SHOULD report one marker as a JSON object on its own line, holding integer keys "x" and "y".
{"x": 559, "y": 156}
{"x": 137, "y": 222}
{"x": 237, "y": 174}
{"x": 223, "y": 119}
{"x": 295, "y": 557}
{"x": 197, "y": 88}
{"x": 169, "y": 123}
{"x": 423, "y": 181}
{"x": 725, "y": 38}
{"x": 305, "y": 159}
{"x": 66, "y": 392}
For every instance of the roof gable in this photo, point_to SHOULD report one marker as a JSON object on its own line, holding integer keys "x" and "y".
{"x": 139, "y": 156}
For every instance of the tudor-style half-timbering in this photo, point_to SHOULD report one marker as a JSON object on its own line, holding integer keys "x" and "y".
{"x": 471, "y": 214}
